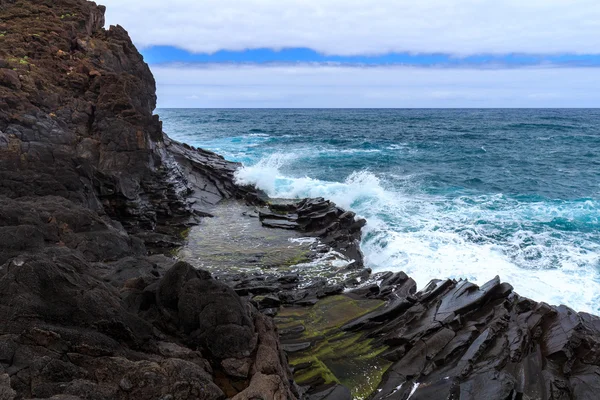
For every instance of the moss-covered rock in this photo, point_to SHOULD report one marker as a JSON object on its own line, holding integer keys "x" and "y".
{"x": 333, "y": 356}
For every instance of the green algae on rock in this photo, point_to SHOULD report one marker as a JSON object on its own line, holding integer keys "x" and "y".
{"x": 322, "y": 354}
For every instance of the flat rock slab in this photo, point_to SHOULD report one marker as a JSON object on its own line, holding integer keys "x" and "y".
{"x": 280, "y": 223}
{"x": 233, "y": 241}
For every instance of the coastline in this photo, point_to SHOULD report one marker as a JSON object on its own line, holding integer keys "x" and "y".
{"x": 430, "y": 215}
{"x": 94, "y": 196}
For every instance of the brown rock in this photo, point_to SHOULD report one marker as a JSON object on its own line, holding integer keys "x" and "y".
{"x": 10, "y": 78}
{"x": 239, "y": 368}
{"x": 265, "y": 387}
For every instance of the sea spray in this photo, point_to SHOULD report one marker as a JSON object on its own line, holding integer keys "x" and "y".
{"x": 429, "y": 237}
{"x": 526, "y": 208}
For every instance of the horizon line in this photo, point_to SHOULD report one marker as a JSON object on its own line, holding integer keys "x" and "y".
{"x": 378, "y": 108}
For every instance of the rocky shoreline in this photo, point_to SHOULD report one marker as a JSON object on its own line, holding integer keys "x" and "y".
{"x": 94, "y": 201}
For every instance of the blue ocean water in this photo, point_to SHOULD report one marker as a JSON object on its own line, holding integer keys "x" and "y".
{"x": 446, "y": 193}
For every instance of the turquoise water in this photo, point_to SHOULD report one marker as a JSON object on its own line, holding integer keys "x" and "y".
{"x": 446, "y": 193}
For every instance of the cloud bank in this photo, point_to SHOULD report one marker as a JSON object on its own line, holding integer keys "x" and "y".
{"x": 428, "y": 32}
{"x": 191, "y": 86}
{"x": 359, "y": 27}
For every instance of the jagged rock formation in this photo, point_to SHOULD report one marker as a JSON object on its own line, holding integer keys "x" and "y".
{"x": 454, "y": 340}
{"x": 321, "y": 218}
{"x": 76, "y": 120}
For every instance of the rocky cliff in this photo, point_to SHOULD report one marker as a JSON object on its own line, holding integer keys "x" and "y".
{"x": 87, "y": 182}
{"x": 93, "y": 196}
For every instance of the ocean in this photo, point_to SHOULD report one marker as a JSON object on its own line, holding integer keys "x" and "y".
{"x": 452, "y": 193}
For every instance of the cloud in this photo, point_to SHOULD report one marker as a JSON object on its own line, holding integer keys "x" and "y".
{"x": 359, "y": 27}
{"x": 394, "y": 86}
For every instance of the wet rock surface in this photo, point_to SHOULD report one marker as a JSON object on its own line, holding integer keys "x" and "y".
{"x": 272, "y": 266}
{"x": 455, "y": 340}
{"x": 338, "y": 229}
{"x": 323, "y": 356}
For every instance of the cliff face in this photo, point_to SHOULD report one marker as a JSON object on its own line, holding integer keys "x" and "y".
{"x": 76, "y": 115}
{"x": 86, "y": 180}
{"x": 76, "y": 109}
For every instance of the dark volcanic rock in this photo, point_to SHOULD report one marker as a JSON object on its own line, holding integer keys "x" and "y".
{"x": 452, "y": 340}
{"x": 209, "y": 177}
{"x": 337, "y": 392}
{"x": 80, "y": 125}
{"x": 83, "y": 115}
{"x": 336, "y": 228}
{"x": 210, "y": 313}
{"x": 89, "y": 183}
{"x": 457, "y": 340}
{"x": 66, "y": 332}
{"x": 33, "y": 223}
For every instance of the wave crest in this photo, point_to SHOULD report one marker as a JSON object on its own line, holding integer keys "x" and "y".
{"x": 525, "y": 241}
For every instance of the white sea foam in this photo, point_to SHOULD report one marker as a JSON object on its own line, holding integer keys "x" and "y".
{"x": 259, "y": 135}
{"x": 397, "y": 146}
{"x": 432, "y": 237}
{"x": 265, "y": 173}
{"x": 354, "y": 151}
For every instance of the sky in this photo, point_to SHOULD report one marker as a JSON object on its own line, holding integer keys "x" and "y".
{"x": 368, "y": 53}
